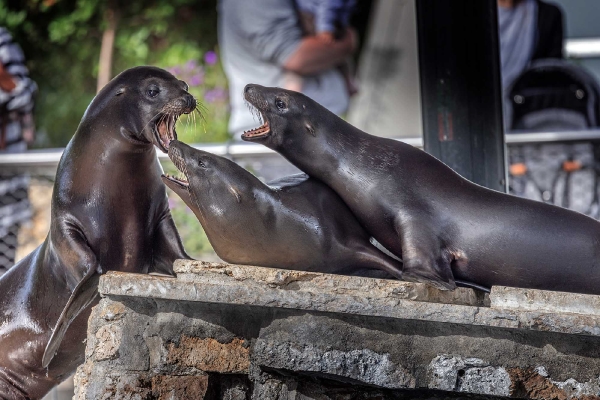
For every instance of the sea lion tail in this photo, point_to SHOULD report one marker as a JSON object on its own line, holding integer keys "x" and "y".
{"x": 83, "y": 295}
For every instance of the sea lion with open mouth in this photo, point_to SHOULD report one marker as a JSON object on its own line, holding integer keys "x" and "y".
{"x": 109, "y": 212}
{"x": 293, "y": 223}
{"x": 444, "y": 227}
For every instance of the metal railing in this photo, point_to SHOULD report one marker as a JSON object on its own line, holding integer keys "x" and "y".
{"x": 51, "y": 157}
{"x": 582, "y": 48}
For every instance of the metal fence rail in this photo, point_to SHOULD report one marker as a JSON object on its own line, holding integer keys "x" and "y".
{"x": 537, "y": 163}
{"x": 50, "y": 157}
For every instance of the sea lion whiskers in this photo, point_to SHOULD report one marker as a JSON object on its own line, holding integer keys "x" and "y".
{"x": 199, "y": 110}
{"x": 200, "y": 106}
{"x": 255, "y": 111}
{"x": 252, "y": 110}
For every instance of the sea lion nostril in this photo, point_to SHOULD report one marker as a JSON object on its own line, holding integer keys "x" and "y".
{"x": 191, "y": 102}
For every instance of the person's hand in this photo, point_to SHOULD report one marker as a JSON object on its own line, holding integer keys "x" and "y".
{"x": 28, "y": 128}
{"x": 326, "y": 37}
{"x": 314, "y": 56}
{"x": 29, "y": 135}
{"x": 350, "y": 38}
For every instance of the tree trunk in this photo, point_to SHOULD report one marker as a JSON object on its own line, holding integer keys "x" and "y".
{"x": 111, "y": 17}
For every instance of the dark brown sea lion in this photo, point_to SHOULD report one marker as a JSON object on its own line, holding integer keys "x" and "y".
{"x": 444, "y": 227}
{"x": 109, "y": 212}
{"x": 293, "y": 223}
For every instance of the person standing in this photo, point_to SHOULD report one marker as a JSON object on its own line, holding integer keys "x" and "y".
{"x": 528, "y": 30}
{"x": 261, "y": 40}
{"x": 17, "y": 129}
{"x": 327, "y": 20}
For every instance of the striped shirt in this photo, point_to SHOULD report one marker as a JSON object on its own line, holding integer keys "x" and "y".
{"x": 16, "y": 106}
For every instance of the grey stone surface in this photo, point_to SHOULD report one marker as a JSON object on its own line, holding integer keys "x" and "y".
{"x": 503, "y": 297}
{"x": 486, "y": 380}
{"x": 266, "y": 287}
{"x": 362, "y": 365}
{"x": 233, "y": 332}
{"x": 470, "y": 375}
{"x": 314, "y": 282}
{"x": 108, "y": 342}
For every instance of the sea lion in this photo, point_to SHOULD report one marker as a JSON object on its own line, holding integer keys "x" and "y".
{"x": 443, "y": 226}
{"x": 294, "y": 223}
{"x": 109, "y": 212}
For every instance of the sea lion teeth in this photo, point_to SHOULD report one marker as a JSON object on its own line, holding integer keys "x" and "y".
{"x": 179, "y": 180}
{"x": 261, "y": 130}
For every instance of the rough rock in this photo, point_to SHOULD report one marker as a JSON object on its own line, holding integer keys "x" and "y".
{"x": 362, "y": 365}
{"x": 179, "y": 387}
{"x": 221, "y": 331}
{"x": 209, "y": 355}
{"x": 108, "y": 341}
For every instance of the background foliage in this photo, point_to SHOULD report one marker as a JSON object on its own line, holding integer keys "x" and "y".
{"x": 61, "y": 40}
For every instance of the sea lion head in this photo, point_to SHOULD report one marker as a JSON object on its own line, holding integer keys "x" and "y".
{"x": 145, "y": 102}
{"x": 214, "y": 179}
{"x": 285, "y": 115}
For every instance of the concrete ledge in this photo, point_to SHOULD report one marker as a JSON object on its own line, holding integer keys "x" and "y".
{"x": 229, "y": 331}
{"x": 200, "y": 281}
{"x": 542, "y": 300}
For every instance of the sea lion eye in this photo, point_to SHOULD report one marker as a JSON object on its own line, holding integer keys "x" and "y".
{"x": 280, "y": 104}
{"x": 153, "y": 92}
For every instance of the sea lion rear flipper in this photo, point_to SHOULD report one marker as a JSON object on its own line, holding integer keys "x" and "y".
{"x": 83, "y": 295}
{"x": 376, "y": 256}
{"x": 167, "y": 248}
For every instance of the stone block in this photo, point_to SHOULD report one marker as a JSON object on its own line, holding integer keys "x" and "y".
{"x": 179, "y": 387}
{"x": 362, "y": 365}
{"x": 503, "y": 297}
{"x": 209, "y": 355}
{"x": 108, "y": 341}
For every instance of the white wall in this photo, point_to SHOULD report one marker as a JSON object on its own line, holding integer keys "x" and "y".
{"x": 389, "y": 101}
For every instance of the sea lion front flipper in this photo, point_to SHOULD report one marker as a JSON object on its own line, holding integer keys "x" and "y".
{"x": 83, "y": 274}
{"x": 83, "y": 295}
{"x": 167, "y": 247}
{"x": 423, "y": 258}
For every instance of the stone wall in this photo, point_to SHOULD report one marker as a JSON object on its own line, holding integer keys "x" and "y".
{"x": 222, "y": 331}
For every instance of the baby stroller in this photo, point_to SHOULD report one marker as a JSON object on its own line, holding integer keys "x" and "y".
{"x": 555, "y": 95}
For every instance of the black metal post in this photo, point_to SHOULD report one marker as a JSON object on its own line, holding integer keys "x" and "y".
{"x": 461, "y": 92}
